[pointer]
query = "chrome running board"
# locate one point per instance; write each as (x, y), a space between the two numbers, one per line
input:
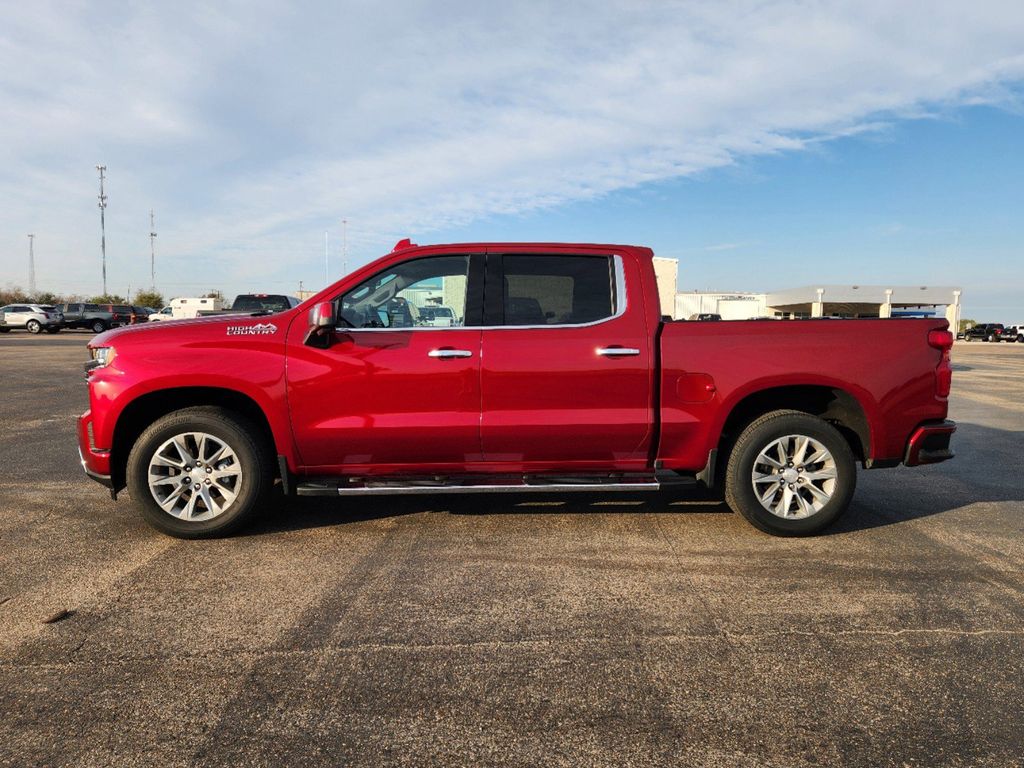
(381, 487)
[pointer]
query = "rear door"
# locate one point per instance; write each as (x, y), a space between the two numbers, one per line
(566, 375)
(18, 315)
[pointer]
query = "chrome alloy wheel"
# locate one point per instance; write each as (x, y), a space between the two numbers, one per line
(194, 476)
(794, 477)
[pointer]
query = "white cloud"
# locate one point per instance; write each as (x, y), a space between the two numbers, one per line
(252, 128)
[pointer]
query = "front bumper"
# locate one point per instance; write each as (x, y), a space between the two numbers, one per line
(95, 462)
(929, 444)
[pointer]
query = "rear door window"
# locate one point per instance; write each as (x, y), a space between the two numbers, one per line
(556, 290)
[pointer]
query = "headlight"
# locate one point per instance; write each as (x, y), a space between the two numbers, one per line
(101, 358)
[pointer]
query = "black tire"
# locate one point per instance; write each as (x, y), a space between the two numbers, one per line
(5, 330)
(98, 326)
(254, 457)
(739, 488)
(33, 326)
(53, 330)
(991, 338)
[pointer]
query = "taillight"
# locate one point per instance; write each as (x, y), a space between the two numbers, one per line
(942, 340)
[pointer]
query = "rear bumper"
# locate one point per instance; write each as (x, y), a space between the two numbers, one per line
(95, 462)
(929, 444)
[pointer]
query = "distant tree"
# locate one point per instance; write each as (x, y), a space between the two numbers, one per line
(46, 297)
(151, 299)
(215, 294)
(110, 298)
(12, 294)
(967, 323)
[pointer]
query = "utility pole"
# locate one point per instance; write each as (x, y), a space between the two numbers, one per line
(152, 252)
(103, 226)
(31, 267)
(344, 247)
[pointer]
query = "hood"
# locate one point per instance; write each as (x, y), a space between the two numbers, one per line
(201, 327)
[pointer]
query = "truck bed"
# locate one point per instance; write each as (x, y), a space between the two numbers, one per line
(709, 368)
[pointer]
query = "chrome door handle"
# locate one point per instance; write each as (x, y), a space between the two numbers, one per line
(444, 354)
(618, 351)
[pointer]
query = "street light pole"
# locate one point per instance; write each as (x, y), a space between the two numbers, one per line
(103, 226)
(344, 246)
(152, 252)
(31, 267)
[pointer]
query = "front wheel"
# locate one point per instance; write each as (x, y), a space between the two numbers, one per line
(33, 326)
(200, 472)
(790, 474)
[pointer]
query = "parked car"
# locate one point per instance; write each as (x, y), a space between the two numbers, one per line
(437, 316)
(140, 314)
(561, 376)
(984, 332)
(34, 318)
(1013, 333)
(705, 317)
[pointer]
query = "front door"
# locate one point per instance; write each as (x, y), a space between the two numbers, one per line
(398, 389)
(567, 371)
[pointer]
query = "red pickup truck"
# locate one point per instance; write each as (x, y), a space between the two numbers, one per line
(552, 370)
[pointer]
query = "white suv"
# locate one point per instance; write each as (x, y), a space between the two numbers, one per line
(34, 318)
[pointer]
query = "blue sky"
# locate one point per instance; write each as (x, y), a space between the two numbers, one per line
(764, 144)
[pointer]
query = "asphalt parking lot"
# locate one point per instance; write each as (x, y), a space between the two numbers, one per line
(647, 630)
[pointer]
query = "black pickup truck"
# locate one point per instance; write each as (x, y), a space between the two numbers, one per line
(984, 332)
(96, 317)
(255, 303)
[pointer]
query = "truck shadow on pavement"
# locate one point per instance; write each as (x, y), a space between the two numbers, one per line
(884, 497)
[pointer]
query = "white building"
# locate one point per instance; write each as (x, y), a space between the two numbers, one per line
(826, 301)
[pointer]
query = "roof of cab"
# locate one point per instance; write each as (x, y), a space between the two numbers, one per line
(406, 244)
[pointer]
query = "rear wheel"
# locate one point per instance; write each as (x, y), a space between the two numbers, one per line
(790, 474)
(992, 338)
(98, 326)
(200, 472)
(33, 326)
(53, 329)
(5, 330)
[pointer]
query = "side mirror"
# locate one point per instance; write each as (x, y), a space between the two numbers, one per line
(321, 323)
(322, 315)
